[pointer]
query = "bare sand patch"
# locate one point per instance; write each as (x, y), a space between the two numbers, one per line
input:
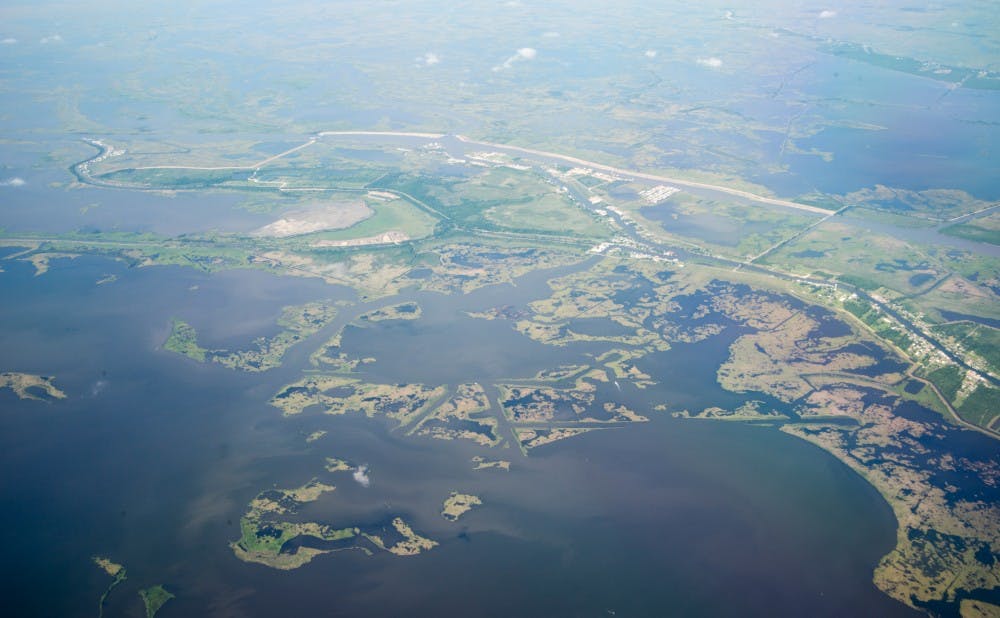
(317, 217)
(385, 238)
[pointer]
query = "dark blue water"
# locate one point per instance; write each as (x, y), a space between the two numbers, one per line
(955, 316)
(153, 458)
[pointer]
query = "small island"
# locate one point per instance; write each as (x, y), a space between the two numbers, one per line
(483, 464)
(29, 386)
(316, 435)
(337, 465)
(183, 340)
(410, 545)
(113, 569)
(264, 535)
(297, 323)
(401, 311)
(153, 598)
(458, 504)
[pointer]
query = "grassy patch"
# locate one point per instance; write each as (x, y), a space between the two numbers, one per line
(154, 597)
(862, 257)
(183, 339)
(974, 232)
(547, 213)
(168, 179)
(499, 199)
(982, 406)
(395, 215)
(948, 379)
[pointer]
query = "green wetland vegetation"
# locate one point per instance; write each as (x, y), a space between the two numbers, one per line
(154, 598)
(581, 320)
(637, 298)
(807, 367)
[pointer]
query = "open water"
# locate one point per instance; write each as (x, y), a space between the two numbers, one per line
(153, 458)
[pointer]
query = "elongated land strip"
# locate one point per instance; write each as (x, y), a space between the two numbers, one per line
(113, 569)
(30, 386)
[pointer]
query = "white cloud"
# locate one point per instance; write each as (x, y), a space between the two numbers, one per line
(712, 62)
(551, 34)
(98, 387)
(13, 182)
(9, 41)
(361, 476)
(729, 15)
(525, 53)
(428, 59)
(827, 14)
(650, 53)
(55, 38)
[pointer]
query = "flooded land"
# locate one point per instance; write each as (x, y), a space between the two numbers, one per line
(553, 323)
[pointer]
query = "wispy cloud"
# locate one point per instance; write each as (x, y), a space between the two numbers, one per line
(712, 62)
(361, 475)
(827, 14)
(551, 34)
(525, 53)
(9, 41)
(429, 59)
(650, 53)
(98, 387)
(55, 38)
(13, 182)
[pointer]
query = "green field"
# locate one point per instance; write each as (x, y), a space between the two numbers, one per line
(399, 215)
(974, 232)
(547, 213)
(500, 199)
(982, 406)
(861, 257)
(948, 379)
